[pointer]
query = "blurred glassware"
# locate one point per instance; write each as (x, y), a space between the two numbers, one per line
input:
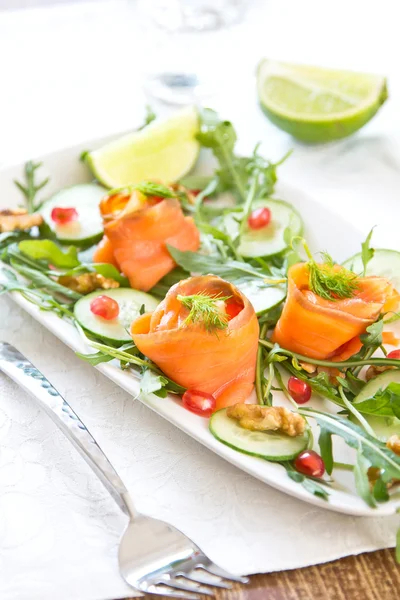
(183, 32)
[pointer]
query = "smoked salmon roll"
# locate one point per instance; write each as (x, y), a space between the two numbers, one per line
(328, 329)
(184, 344)
(137, 234)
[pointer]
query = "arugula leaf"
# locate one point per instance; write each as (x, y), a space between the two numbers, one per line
(380, 490)
(361, 478)
(94, 359)
(374, 335)
(325, 446)
(194, 262)
(41, 281)
(151, 383)
(11, 237)
(383, 403)
(50, 252)
(308, 483)
(372, 449)
(367, 253)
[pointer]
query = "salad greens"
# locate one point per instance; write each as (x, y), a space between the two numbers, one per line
(223, 202)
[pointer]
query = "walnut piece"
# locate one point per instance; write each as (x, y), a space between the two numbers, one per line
(373, 371)
(267, 418)
(18, 219)
(88, 282)
(393, 444)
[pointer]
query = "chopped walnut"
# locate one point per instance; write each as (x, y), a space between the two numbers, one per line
(393, 444)
(267, 418)
(88, 282)
(373, 371)
(18, 219)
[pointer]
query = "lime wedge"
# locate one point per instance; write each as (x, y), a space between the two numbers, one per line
(164, 151)
(315, 104)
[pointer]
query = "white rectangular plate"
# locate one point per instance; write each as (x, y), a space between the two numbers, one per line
(324, 231)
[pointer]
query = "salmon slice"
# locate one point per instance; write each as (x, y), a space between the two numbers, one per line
(220, 362)
(104, 253)
(139, 241)
(322, 329)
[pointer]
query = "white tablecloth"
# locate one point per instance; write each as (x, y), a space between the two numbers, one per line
(72, 73)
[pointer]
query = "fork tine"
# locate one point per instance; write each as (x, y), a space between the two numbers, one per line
(165, 590)
(201, 576)
(216, 570)
(189, 587)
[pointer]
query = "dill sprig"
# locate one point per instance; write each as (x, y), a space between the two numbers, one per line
(205, 309)
(328, 282)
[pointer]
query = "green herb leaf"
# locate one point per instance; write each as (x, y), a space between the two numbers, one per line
(108, 271)
(50, 252)
(41, 281)
(380, 491)
(325, 446)
(374, 335)
(151, 382)
(367, 253)
(30, 188)
(308, 483)
(328, 283)
(385, 403)
(149, 117)
(150, 188)
(206, 310)
(232, 270)
(361, 478)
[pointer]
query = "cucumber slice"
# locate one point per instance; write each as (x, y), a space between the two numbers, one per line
(269, 445)
(385, 263)
(116, 330)
(88, 228)
(262, 298)
(269, 240)
(384, 427)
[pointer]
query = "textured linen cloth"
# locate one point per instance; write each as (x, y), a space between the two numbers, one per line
(67, 80)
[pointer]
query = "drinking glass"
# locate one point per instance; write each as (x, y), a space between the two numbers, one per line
(186, 40)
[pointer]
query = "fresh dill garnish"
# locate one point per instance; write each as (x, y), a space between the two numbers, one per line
(205, 309)
(328, 281)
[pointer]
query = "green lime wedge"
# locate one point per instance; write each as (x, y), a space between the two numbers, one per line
(315, 104)
(164, 151)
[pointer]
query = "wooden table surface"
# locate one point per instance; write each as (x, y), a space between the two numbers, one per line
(372, 576)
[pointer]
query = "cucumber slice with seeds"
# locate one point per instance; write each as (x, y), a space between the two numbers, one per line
(269, 445)
(117, 330)
(270, 240)
(88, 228)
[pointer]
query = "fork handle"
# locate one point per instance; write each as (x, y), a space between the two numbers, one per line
(29, 378)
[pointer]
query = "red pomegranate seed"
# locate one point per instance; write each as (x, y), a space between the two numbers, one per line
(394, 354)
(259, 218)
(200, 403)
(105, 307)
(61, 215)
(309, 463)
(299, 390)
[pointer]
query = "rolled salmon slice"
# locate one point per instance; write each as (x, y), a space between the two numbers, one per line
(220, 362)
(139, 241)
(322, 329)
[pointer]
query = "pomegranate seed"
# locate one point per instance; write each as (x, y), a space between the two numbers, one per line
(62, 215)
(394, 354)
(259, 218)
(200, 403)
(195, 192)
(233, 308)
(105, 307)
(299, 390)
(309, 463)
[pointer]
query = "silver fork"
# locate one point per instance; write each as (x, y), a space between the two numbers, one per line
(154, 557)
